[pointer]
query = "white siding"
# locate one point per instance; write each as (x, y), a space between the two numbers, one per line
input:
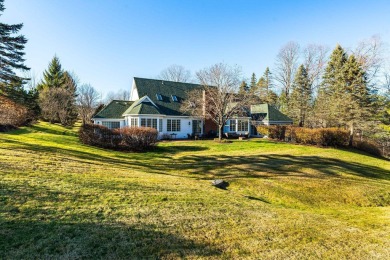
(134, 92)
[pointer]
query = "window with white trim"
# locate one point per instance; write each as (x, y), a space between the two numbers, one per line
(134, 122)
(232, 123)
(174, 98)
(242, 126)
(111, 125)
(173, 125)
(160, 125)
(149, 122)
(159, 97)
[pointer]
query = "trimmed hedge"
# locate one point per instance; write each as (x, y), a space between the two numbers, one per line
(133, 139)
(319, 136)
(138, 138)
(334, 137)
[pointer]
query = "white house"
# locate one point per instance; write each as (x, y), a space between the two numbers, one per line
(156, 103)
(153, 103)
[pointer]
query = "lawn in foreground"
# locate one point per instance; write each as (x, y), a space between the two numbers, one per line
(62, 199)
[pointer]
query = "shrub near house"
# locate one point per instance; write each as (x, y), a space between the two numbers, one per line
(334, 137)
(12, 114)
(127, 138)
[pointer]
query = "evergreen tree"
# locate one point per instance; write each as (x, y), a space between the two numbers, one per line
(11, 53)
(300, 99)
(262, 89)
(244, 88)
(267, 79)
(356, 109)
(329, 99)
(344, 99)
(264, 86)
(253, 80)
(253, 86)
(57, 94)
(12, 86)
(53, 77)
(70, 85)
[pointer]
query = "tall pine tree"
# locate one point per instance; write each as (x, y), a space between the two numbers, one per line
(244, 88)
(11, 53)
(264, 86)
(57, 94)
(253, 86)
(53, 77)
(300, 99)
(70, 85)
(357, 102)
(344, 99)
(328, 100)
(11, 85)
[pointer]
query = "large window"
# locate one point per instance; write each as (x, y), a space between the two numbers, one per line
(111, 125)
(242, 126)
(134, 122)
(173, 125)
(232, 125)
(160, 125)
(149, 122)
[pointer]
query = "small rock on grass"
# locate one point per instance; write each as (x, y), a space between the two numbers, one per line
(220, 184)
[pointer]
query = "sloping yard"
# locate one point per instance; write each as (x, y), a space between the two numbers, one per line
(62, 199)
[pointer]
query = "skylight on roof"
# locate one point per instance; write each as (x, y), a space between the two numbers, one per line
(174, 98)
(159, 97)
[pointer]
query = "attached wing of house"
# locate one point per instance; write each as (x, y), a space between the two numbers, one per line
(153, 103)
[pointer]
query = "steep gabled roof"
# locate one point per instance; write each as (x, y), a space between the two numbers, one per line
(142, 106)
(114, 109)
(270, 113)
(167, 89)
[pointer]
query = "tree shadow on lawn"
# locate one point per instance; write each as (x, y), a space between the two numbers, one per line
(218, 166)
(42, 230)
(265, 166)
(37, 128)
(155, 152)
(22, 239)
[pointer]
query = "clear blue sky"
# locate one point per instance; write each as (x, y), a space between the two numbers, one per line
(107, 42)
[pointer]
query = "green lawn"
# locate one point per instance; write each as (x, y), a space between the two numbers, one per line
(62, 199)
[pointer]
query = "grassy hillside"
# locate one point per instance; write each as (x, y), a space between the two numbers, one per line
(62, 199)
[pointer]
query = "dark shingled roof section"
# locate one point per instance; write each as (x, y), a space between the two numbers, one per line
(272, 114)
(151, 87)
(114, 109)
(142, 108)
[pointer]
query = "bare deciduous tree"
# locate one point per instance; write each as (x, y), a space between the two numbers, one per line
(315, 61)
(54, 105)
(119, 95)
(217, 100)
(286, 66)
(87, 101)
(369, 54)
(175, 73)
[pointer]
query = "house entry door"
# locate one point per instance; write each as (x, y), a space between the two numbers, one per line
(196, 127)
